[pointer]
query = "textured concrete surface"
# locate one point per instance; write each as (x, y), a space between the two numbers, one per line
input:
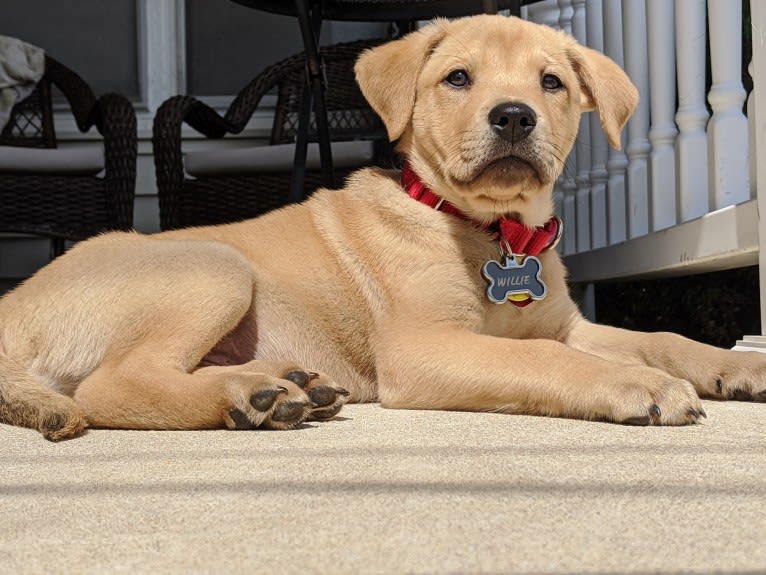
(381, 491)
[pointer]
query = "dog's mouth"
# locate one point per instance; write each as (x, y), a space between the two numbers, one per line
(510, 169)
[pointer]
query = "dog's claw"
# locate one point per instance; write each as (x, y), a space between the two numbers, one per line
(328, 412)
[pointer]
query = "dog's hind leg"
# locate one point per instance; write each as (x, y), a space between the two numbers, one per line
(27, 403)
(194, 296)
(145, 394)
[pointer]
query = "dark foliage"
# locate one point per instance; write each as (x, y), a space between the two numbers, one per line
(716, 308)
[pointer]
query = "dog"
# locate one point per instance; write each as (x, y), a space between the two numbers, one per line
(435, 288)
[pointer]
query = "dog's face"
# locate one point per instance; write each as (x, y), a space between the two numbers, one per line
(487, 108)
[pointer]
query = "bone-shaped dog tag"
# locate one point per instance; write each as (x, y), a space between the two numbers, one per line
(513, 278)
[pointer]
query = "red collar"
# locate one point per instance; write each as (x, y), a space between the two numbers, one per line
(514, 236)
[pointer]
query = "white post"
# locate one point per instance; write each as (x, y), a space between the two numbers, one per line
(758, 19)
(568, 184)
(727, 129)
(547, 13)
(636, 56)
(662, 72)
(751, 124)
(162, 50)
(692, 115)
(583, 144)
(617, 161)
(599, 149)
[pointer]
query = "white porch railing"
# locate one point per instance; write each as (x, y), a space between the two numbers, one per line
(682, 195)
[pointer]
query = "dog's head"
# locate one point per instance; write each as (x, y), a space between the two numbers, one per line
(487, 108)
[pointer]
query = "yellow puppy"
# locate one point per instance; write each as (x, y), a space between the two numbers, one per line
(435, 289)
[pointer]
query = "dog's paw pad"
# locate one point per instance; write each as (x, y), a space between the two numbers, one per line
(651, 418)
(740, 395)
(327, 401)
(301, 378)
(258, 400)
(238, 420)
(323, 395)
(289, 412)
(326, 397)
(263, 400)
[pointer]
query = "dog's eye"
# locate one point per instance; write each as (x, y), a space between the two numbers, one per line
(552, 83)
(458, 78)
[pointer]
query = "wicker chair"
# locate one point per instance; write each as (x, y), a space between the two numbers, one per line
(67, 194)
(254, 182)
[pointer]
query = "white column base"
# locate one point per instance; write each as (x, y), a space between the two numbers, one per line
(751, 343)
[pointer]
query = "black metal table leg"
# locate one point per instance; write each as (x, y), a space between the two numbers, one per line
(309, 18)
(298, 175)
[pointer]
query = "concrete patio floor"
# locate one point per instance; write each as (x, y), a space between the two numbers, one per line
(382, 491)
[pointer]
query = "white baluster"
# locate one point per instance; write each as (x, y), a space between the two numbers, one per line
(617, 161)
(692, 115)
(758, 21)
(547, 13)
(599, 149)
(636, 56)
(566, 13)
(568, 183)
(662, 135)
(727, 129)
(751, 135)
(582, 178)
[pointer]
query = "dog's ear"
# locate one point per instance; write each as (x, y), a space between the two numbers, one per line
(606, 88)
(388, 74)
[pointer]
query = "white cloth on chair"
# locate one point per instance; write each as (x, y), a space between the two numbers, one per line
(21, 67)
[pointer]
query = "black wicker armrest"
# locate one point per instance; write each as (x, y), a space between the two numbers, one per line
(77, 92)
(115, 119)
(174, 112)
(166, 142)
(244, 105)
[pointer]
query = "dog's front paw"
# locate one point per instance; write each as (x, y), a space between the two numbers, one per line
(648, 396)
(327, 398)
(736, 375)
(262, 401)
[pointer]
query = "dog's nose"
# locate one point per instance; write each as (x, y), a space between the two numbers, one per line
(512, 121)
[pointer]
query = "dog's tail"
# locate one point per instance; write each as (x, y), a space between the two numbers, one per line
(26, 402)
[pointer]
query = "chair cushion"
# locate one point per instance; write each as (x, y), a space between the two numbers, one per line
(265, 159)
(74, 161)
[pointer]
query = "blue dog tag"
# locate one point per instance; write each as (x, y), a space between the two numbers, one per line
(514, 279)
